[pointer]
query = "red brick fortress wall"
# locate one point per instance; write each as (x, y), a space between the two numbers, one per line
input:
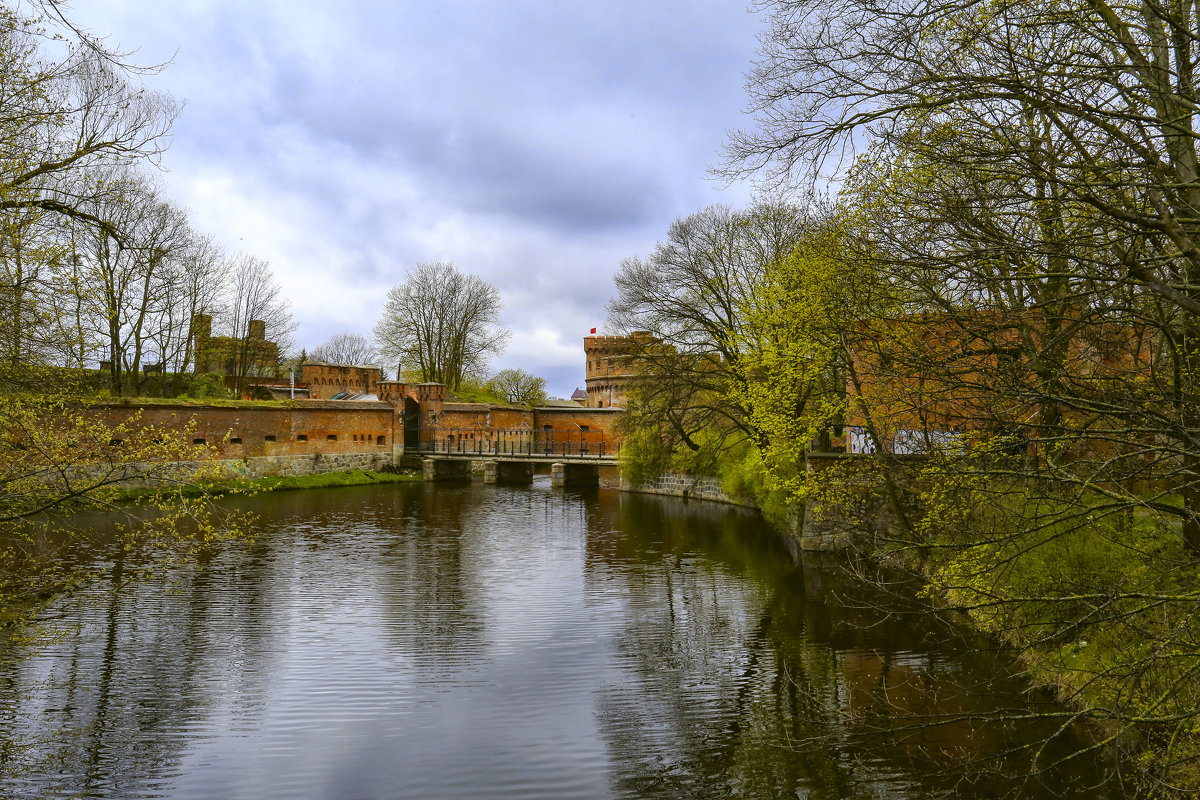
(326, 380)
(248, 431)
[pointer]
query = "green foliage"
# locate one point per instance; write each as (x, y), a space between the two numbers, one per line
(205, 385)
(644, 455)
(518, 386)
(744, 476)
(276, 483)
(60, 456)
(471, 391)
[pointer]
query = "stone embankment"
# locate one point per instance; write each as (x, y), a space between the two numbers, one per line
(689, 487)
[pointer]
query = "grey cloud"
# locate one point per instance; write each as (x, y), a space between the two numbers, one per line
(569, 134)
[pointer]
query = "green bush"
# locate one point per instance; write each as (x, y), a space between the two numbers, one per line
(643, 456)
(204, 385)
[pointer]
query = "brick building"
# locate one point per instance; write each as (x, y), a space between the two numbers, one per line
(350, 413)
(233, 356)
(929, 377)
(327, 381)
(612, 367)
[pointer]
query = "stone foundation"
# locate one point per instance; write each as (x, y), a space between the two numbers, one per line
(678, 484)
(318, 463)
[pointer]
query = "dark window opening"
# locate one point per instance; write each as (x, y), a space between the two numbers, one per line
(380, 440)
(115, 442)
(269, 438)
(331, 437)
(302, 438)
(198, 441)
(235, 440)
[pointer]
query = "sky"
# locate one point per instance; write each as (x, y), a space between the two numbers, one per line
(535, 144)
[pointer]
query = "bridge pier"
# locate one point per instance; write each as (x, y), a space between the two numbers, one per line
(508, 472)
(444, 469)
(563, 474)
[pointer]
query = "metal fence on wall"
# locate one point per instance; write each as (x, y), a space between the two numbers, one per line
(515, 442)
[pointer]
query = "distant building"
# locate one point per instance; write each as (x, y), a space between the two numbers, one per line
(611, 367)
(340, 381)
(579, 396)
(232, 356)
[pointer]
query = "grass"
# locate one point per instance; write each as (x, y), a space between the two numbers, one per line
(281, 483)
(221, 402)
(477, 394)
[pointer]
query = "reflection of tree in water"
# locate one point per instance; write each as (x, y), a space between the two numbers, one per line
(425, 587)
(738, 684)
(102, 708)
(114, 704)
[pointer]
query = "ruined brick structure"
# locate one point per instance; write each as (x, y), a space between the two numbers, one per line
(228, 355)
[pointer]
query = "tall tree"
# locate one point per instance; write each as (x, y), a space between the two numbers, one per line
(129, 261)
(1030, 190)
(255, 297)
(346, 348)
(441, 324)
(518, 386)
(691, 295)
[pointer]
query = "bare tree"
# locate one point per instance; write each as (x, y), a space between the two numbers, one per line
(441, 324)
(199, 276)
(518, 386)
(29, 251)
(70, 114)
(129, 268)
(63, 117)
(346, 348)
(255, 297)
(692, 295)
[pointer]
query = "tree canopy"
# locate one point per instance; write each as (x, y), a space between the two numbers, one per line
(441, 324)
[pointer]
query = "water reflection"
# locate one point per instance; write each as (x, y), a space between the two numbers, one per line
(475, 641)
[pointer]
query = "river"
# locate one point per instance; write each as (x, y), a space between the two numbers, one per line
(471, 641)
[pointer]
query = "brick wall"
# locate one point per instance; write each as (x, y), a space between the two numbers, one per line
(250, 431)
(325, 428)
(326, 380)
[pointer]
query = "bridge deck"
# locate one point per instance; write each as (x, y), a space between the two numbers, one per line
(533, 458)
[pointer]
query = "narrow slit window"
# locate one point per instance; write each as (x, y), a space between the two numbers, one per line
(269, 438)
(302, 437)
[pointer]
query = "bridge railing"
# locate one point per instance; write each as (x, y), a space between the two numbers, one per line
(513, 442)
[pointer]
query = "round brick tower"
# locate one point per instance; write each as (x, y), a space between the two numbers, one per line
(611, 368)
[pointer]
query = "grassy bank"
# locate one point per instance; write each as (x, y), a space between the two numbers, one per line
(282, 483)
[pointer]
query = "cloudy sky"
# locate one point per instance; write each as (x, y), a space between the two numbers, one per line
(533, 142)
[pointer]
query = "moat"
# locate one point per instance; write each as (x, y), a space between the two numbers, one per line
(471, 641)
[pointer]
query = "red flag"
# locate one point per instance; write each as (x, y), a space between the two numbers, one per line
(593, 330)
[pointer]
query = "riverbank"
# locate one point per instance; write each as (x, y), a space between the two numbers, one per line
(283, 483)
(1098, 611)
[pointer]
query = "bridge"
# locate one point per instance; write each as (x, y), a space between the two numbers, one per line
(509, 456)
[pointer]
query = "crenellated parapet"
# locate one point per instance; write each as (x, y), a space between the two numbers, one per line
(612, 366)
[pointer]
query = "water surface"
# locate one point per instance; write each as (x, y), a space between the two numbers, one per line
(416, 641)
